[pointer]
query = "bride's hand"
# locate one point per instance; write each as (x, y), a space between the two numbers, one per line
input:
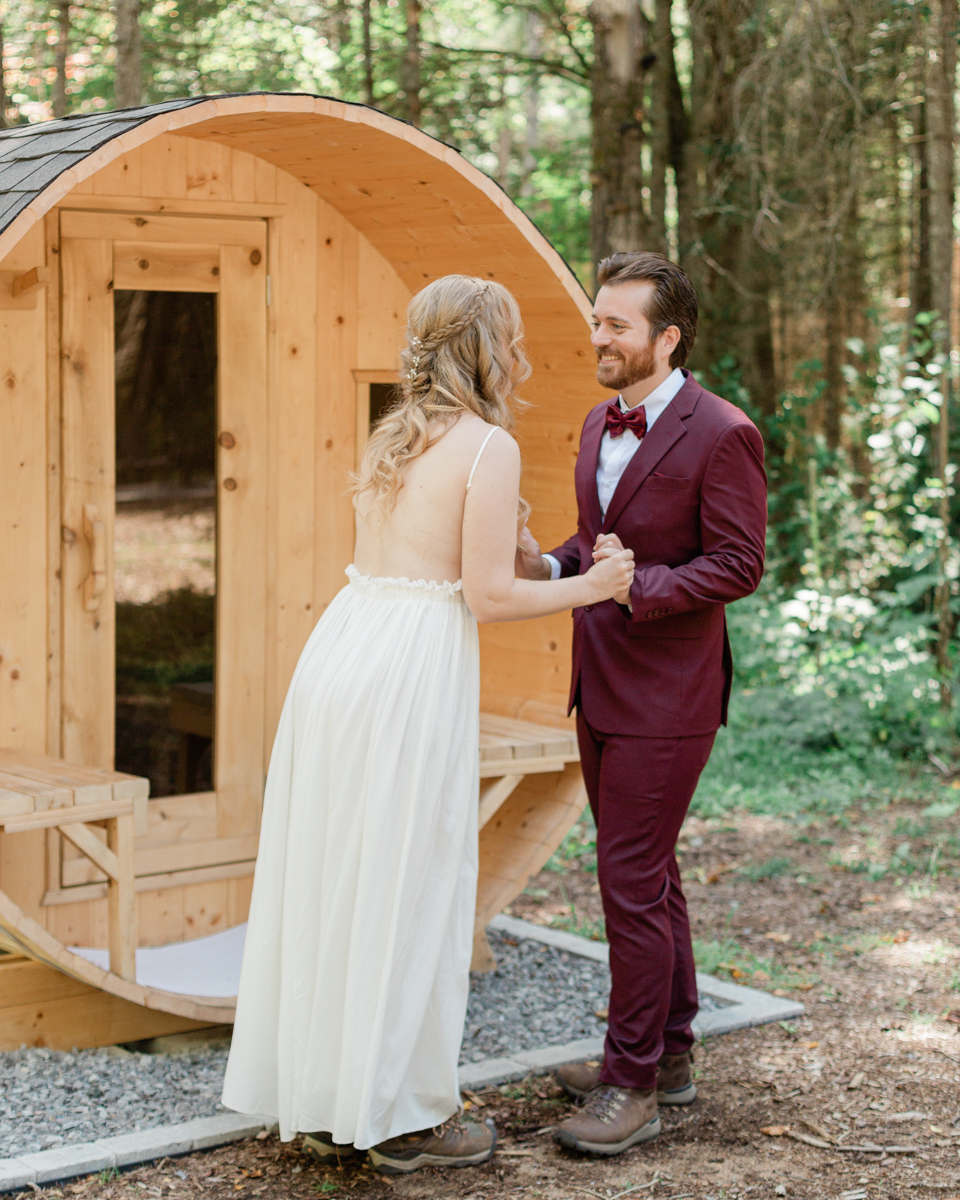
(528, 563)
(612, 575)
(605, 545)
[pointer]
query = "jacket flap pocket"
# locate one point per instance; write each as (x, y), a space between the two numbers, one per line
(683, 625)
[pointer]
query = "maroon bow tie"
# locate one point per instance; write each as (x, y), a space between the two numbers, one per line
(635, 420)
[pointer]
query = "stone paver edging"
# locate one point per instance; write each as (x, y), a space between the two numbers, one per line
(127, 1149)
(742, 1007)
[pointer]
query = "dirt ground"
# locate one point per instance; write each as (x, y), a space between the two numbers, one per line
(876, 1060)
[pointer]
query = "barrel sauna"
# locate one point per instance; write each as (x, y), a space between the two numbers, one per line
(293, 229)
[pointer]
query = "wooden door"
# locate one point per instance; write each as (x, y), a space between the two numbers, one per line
(100, 251)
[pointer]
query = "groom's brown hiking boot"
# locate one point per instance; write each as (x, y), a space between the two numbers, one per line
(323, 1149)
(674, 1081)
(611, 1120)
(455, 1143)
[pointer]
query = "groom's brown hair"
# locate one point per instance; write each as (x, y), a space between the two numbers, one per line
(674, 300)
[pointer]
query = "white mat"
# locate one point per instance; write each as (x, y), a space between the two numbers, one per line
(207, 966)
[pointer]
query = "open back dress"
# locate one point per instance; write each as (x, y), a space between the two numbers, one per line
(355, 973)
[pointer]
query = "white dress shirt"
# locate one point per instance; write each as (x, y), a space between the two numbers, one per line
(616, 453)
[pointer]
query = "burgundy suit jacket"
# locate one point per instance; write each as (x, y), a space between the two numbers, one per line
(692, 506)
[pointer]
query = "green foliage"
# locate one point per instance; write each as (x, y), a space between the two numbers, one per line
(728, 958)
(166, 642)
(773, 868)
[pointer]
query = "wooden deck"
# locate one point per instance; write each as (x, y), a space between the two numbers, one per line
(531, 792)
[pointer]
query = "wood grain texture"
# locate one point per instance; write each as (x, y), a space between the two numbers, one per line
(337, 268)
(88, 478)
(166, 267)
(293, 538)
(241, 540)
(40, 1006)
(23, 530)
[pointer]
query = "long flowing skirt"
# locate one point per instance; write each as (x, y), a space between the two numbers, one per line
(355, 972)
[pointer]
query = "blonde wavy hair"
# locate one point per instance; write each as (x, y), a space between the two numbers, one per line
(464, 353)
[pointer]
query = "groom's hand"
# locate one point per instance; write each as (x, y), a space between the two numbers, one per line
(606, 545)
(529, 562)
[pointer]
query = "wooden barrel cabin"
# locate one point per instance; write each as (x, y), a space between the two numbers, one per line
(201, 305)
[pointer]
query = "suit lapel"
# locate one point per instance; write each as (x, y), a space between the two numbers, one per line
(668, 429)
(588, 498)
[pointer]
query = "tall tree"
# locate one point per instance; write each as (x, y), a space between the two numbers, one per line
(411, 71)
(366, 20)
(621, 60)
(128, 85)
(940, 71)
(3, 77)
(61, 54)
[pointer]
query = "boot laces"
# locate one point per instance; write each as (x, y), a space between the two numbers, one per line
(454, 1124)
(604, 1103)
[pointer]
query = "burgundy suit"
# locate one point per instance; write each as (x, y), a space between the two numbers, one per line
(651, 689)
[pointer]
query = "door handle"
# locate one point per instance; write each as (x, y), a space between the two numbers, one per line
(95, 583)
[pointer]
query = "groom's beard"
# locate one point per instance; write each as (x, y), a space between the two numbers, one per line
(629, 370)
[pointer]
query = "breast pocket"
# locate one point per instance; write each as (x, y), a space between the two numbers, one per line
(666, 483)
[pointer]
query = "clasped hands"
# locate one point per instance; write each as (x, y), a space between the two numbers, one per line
(530, 563)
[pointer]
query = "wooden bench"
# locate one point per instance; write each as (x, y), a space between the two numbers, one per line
(47, 793)
(510, 750)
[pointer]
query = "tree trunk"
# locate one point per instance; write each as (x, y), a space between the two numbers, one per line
(3, 79)
(60, 61)
(411, 78)
(662, 48)
(921, 298)
(128, 85)
(940, 68)
(618, 220)
(366, 18)
(531, 140)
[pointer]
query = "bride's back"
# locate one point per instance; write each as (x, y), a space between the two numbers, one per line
(460, 366)
(420, 536)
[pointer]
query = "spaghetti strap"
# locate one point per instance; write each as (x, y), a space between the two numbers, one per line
(479, 452)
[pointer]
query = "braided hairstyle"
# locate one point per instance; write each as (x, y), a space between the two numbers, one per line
(463, 353)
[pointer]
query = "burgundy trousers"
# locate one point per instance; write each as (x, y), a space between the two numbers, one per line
(639, 790)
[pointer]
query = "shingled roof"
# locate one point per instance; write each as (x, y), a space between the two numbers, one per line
(33, 156)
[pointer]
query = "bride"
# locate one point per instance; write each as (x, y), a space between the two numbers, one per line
(355, 973)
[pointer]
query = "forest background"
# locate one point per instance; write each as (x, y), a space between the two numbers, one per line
(797, 158)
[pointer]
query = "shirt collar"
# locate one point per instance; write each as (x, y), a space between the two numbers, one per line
(661, 395)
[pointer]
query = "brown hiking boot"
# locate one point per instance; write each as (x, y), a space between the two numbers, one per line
(577, 1079)
(611, 1120)
(323, 1149)
(455, 1143)
(674, 1081)
(674, 1084)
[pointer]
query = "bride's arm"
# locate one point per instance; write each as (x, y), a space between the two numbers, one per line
(490, 586)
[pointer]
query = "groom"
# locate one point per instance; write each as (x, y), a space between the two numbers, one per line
(676, 474)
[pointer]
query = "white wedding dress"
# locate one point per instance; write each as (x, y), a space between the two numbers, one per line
(353, 989)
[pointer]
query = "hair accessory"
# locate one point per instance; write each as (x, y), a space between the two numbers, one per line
(416, 346)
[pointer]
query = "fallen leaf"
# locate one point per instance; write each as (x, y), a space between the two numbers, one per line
(802, 987)
(775, 1130)
(901, 936)
(777, 937)
(953, 1016)
(908, 1116)
(810, 1045)
(602, 1013)
(871, 898)
(780, 992)
(761, 977)
(856, 1081)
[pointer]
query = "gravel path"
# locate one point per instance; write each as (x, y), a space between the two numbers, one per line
(538, 996)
